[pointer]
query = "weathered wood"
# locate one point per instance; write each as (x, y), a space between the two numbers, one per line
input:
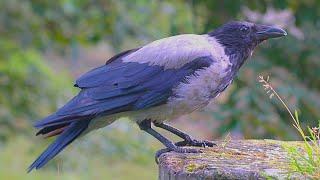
(236, 159)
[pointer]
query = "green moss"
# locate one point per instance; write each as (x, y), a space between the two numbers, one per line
(191, 167)
(195, 167)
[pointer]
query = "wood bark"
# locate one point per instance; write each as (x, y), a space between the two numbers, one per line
(236, 159)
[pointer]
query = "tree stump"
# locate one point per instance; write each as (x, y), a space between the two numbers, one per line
(236, 159)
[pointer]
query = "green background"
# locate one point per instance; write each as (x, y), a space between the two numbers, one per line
(45, 45)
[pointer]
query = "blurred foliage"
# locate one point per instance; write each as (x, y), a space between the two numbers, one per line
(31, 88)
(46, 23)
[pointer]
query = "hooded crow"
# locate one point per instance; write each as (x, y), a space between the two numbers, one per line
(162, 80)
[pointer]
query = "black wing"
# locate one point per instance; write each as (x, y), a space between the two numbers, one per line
(122, 86)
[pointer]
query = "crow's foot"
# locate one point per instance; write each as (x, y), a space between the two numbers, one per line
(189, 142)
(176, 149)
(201, 143)
(196, 143)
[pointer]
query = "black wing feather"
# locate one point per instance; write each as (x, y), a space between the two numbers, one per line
(113, 68)
(120, 87)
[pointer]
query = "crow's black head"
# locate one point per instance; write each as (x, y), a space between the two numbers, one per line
(239, 38)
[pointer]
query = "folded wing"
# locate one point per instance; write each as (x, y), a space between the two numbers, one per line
(122, 85)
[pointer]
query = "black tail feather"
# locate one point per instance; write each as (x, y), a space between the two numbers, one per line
(51, 128)
(67, 136)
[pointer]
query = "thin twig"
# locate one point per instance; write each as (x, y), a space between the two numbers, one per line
(268, 86)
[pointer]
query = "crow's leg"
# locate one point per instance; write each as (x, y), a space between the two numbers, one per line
(188, 140)
(146, 126)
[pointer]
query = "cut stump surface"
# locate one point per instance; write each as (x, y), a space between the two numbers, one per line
(236, 159)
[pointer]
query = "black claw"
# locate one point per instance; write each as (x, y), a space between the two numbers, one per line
(186, 150)
(159, 153)
(197, 143)
(203, 143)
(176, 149)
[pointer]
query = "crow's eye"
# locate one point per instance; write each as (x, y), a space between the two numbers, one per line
(244, 30)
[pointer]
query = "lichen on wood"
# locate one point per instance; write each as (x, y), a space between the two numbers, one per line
(236, 159)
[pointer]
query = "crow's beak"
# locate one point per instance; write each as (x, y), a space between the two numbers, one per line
(267, 32)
